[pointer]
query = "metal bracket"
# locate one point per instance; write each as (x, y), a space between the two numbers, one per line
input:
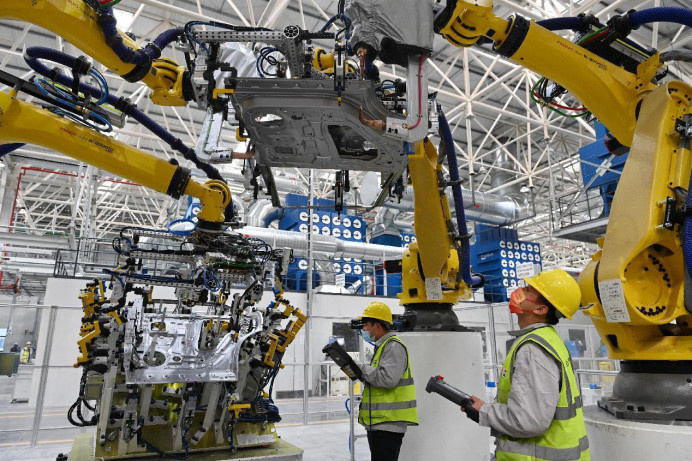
(684, 127)
(674, 215)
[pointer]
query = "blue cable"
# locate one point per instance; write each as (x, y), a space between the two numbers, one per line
(86, 121)
(190, 37)
(69, 101)
(39, 82)
(33, 57)
(114, 274)
(104, 86)
(344, 18)
(349, 412)
(214, 280)
(182, 232)
(261, 56)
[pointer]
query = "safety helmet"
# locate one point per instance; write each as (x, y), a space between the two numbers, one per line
(559, 289)
(378, 311)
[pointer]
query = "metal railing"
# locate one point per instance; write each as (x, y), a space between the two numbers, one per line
(583, 206)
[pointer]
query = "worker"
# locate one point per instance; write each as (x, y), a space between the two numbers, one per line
(538, 414)
(25, 356)
(389, 395)
(15, 348)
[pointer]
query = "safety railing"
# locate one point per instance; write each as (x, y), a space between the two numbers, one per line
(582, 206)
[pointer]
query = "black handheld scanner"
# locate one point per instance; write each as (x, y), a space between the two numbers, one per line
(339, 355)
(437, 385)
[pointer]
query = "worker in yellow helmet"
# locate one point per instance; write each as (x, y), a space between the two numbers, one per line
(538, 413)
(389, 396)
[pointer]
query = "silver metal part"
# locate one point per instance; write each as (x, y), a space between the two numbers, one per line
(291, 49)
(169, 349)
(300, 123)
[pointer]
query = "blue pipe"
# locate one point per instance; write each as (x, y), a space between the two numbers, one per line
(166, 38)
(139, 57)
(8, 148)
(661, 14)
(687, 234)
(570, 23)
(33, 55)
(344, 18)
(464, 253)
(636, 18)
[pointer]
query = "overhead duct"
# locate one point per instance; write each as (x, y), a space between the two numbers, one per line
(505, 169)
(325, 244)
(384, 222)
(482, 207)
(262, 213)
(283, 184)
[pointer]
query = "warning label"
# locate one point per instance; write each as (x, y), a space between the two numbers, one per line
(433, 288)
(613, 300)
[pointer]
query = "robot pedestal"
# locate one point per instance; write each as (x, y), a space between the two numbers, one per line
(619, 440)
(444, 431)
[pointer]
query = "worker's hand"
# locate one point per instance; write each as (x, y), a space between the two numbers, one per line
(477, 403)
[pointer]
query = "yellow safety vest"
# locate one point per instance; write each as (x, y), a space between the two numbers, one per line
(565, 439)
(26, 354)
(386, 405)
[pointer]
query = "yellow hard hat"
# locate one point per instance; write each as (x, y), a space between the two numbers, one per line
(559, 288)
(378, 311)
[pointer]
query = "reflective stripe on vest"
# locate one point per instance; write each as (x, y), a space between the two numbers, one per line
(388, 406)
(396, 404)
(537, 451)
(561, 413)
(566, 437)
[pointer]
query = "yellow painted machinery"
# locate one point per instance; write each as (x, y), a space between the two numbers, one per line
(189, 374)
(78, 22)
(635, 288)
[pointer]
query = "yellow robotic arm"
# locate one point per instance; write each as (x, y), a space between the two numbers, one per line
(76, 22)
(18, 124)
(430, 266)
(610, 92)
(634, 289)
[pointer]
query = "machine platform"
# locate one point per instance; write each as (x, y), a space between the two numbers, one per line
(84, 445)
(618, 439)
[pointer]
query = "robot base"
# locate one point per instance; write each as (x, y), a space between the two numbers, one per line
(651, 390)
(444, 431)
(616, 439)
(84, 446)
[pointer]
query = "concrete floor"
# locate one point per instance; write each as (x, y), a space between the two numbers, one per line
(324, 439)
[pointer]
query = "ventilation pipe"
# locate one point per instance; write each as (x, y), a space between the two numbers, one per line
(325, 244)
(505, 170)
(385, 222)
(482, 207)
(262, 213)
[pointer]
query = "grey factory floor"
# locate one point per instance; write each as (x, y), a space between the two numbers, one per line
(320, 442)
(325, 438)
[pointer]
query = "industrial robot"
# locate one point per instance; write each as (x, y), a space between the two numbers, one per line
(335, 113)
